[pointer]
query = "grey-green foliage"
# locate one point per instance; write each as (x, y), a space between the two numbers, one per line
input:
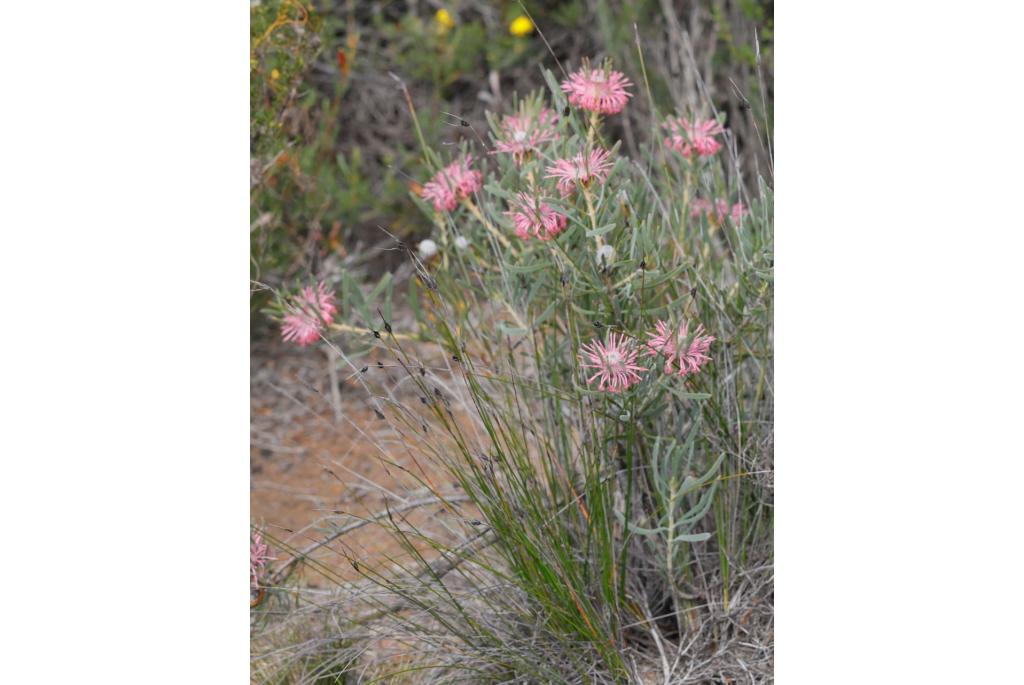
(682, 498)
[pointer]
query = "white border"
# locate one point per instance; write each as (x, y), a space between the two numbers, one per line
(898, 379)
(125, 429)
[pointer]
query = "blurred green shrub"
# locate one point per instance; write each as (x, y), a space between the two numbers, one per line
(283, 40)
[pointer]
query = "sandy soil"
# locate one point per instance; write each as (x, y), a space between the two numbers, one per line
(314, 457)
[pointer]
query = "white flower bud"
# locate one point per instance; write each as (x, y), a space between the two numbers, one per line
(461, 242)
(427, 248)
(605, 255)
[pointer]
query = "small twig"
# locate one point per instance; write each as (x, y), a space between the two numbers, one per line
(475, 211)
(332, 377)
(345, 328)
(543, 38)
(661, 649)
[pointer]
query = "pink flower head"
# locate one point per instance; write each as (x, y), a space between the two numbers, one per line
(583, 168)
(259, 555)
(308, 313)
(522, 134)
(697, 136)
(682, 354)
(453, 183)
(700, 205)
(718, 210)
(598, 90)
(737, 212)
(532, 216)
(614, 363)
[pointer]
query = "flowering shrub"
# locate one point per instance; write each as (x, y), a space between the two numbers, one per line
(612, 238)
(607, 393)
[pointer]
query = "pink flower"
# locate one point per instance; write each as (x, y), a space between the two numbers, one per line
(699, 206)
(532, 216)
(453, 183)
(718, 210)
(259, 555)
(683, 355)
(696, 136)
(722, 209)
(308, 314)
(614, 362)
(583, 168)
(525, 133)
(598, 90)
(301, 327)
(322, 299)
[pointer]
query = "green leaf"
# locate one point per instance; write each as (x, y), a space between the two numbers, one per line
(602, 230)
(687, 395)
(355, 295)
(557, 95)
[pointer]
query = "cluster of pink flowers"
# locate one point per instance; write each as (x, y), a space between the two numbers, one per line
(614, 362)
(697, 136)
(525, 133)
(598, 90)
(259, 555)
(532, 216)
(717, 210)
(453, 183)
(310, 312)
(580, 169)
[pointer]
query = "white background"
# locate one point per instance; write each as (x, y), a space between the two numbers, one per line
(124, 228)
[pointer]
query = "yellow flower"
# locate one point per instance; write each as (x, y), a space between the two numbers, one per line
(444, 19)
(274, 74)
(520, 26)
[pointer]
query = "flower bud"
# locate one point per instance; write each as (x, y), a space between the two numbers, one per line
(427, 249)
